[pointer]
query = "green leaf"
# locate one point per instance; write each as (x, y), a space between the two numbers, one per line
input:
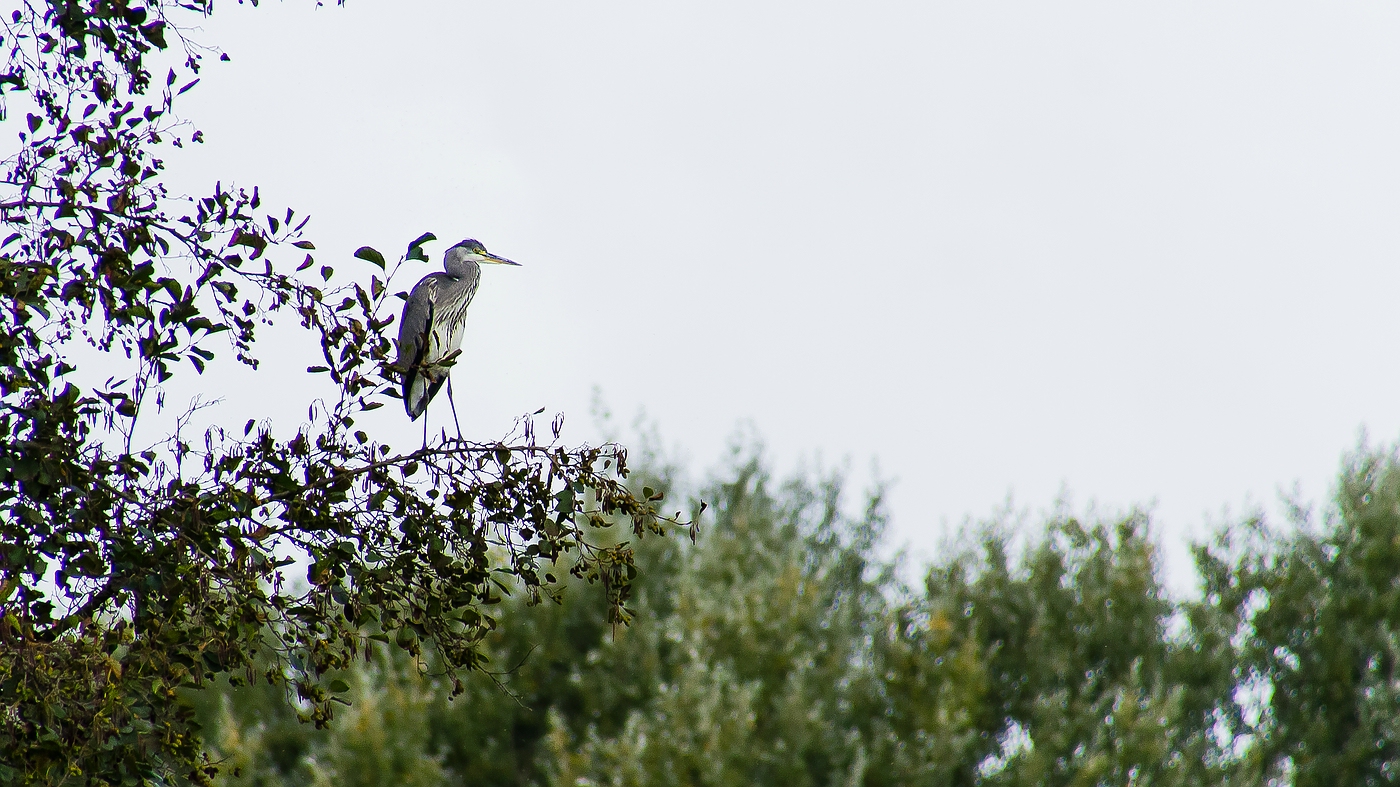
(155, 33)
(249, 239)
(338, 686)
(370, 255)
(415, 252)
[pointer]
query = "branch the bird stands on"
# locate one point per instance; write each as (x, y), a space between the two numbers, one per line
(132, 567)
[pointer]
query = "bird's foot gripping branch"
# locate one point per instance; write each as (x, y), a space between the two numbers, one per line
(140, 556)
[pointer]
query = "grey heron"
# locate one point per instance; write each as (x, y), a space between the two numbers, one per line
(430, 331)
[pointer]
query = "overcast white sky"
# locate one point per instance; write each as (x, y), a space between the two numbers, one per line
(1145, 253)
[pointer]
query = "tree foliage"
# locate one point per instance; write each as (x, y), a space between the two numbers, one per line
(1318, 613)
(137, 562)
(780, 648)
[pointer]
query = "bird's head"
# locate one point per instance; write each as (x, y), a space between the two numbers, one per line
(469, 251)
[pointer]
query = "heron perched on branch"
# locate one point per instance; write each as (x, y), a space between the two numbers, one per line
(430, 331)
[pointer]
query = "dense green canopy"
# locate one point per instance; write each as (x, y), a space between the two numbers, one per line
(781, 649)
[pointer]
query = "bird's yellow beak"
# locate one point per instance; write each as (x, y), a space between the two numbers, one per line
(495, 260)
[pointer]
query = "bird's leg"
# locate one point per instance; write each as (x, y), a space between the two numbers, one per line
(425, 429)
(453, 401)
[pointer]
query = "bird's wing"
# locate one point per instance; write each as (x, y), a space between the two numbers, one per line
(413, 324)
(420, 385)
(415, 343)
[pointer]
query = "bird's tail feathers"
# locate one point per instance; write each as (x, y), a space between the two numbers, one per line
(418, 390)
(415, 395)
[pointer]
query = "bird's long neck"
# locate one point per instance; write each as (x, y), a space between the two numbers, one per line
(462, 269)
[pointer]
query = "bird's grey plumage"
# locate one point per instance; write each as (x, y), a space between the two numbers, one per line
(433, 322)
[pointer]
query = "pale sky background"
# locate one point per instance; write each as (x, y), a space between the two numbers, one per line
(1145, 253)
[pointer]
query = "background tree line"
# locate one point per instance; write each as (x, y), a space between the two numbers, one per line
(781, 649)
